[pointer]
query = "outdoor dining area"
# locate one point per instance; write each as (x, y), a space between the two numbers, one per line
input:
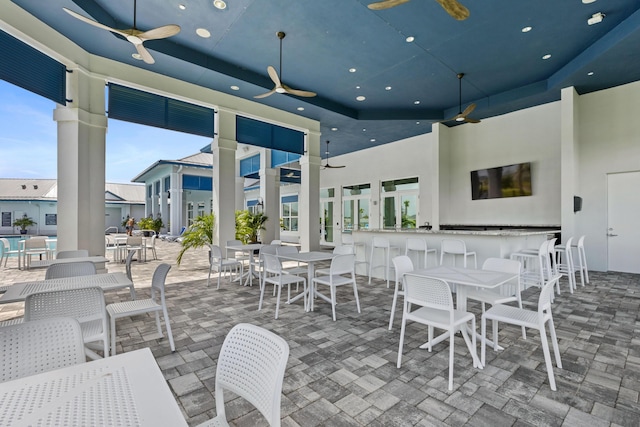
(335, 348)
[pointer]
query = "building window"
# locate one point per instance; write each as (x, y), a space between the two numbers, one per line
(355, 206)
(290, 216)
(201, 211)
(400, 203)
(189, 213)
(51, 219)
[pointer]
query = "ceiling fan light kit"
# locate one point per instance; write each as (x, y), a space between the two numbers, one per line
(327, 165)
(462, 116)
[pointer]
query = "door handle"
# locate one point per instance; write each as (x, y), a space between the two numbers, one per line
(611, 235)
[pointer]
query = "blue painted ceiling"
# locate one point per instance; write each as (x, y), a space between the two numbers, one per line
(503, 66)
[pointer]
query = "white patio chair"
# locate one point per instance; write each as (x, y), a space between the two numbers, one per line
(80, 253)
(581, 266)
(456, 247)
(433, 297)
(415, 244)
(297, 269)
(341, 266)
(338, 250)
(509, 292)
(534, 319)
(134, 243)
(535, 265)
(251, 365)
(402, 264)
(274, 274)
(86, 305)
(5, 247)
(566, 266)
(239, 255)
(70, 269)
(259, 262)
(222, 264)
(39, 346)
(35, 246)
(155, 304)
(150, 245)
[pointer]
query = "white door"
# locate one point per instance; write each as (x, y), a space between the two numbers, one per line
(623, 233)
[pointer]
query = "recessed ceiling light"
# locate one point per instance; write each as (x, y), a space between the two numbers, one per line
(334, 129)
(387, 88)
(372, 140)
(234, 87)
(527, 29)
(590, 73)
(410, 39)
(547, 56)
(357, 87)
(352, 70)
(588, 1)
(360, 98)
(417, 123)
(220, 4)
(182, 7)
(136, 56)
(364, 130)
(300, 108)
(416, 102)
(205, 34)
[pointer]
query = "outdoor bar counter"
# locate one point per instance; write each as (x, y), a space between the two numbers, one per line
(486, 243)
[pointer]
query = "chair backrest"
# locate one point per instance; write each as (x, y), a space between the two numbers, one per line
(453, 246)
(70, 269)
(267, 249)
(506, 266)
(32, 347)
(216, 253)
(31, 244)
(380, 242)
(402, 264)
(82, 304)
(428, 292)
(283, 250)
(5, 244)
(233, 243)
(342, 264)
(127, 264)
(344, 250)
(415, 244)
(251, 364)
(276, 242)
(347, 239)
(544, 301)
(580, 243)
(152, 243)
(80, 253)
(272, 263)
(158, 279)
(134, 241)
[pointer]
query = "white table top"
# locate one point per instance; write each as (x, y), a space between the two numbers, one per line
(467, 276)
(127, 390)
(47, 262)
(248, 247)
(109, 281)
(308, 256)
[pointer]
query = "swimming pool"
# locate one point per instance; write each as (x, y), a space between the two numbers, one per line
(14, 239)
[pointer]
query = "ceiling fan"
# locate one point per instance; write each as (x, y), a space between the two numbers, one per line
(452, 7)
(281, 87)
(462, 115)
(133, 35)
(328, 166)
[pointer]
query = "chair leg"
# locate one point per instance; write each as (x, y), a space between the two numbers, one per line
(168, 325)
(547, 357)
(262, 286)
(333, 301)
(483, 338)
(113, 336)
(355, 293)
(371, 263)
(158, 322)
(554, 341)
(402, 327)
(278, 298)
(451, 353)
(393, 306)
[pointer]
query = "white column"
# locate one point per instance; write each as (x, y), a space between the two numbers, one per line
(164, 206)
(309, 199)
(175, 193)
(224, 147)
(82, 126)
(270, 193)
(568, 159)
(239, 193)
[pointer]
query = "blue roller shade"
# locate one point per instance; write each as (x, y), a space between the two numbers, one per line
(194, 182)
(250, 165)
(146, 108)
(290, 199)
(255, 132)
(24, 66)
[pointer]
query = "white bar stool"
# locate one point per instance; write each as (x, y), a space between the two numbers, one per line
(582, 259)
(415, 244)
(347, 240)
(456, 247)
(383, 244)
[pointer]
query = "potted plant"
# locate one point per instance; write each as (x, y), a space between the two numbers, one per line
(249, 225)
(23, 223)
(197, 235)
(150, 224)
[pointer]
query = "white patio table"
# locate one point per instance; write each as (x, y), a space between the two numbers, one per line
(248, 249)
(310, 258)
(47, 262)
(125, 390)
(109, 281)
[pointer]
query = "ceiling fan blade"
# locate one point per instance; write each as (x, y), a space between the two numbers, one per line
(328, 166)
(144, 53)
(160, 32)
(455, 9)
(264, 95)
(274, 75)
(386, 4)
(94, 23)
(297, 92)
(467, 110)
(470, 120)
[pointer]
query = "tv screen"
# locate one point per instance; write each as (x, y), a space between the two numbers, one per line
(503, 181)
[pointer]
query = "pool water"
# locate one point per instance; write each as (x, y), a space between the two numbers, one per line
(13, 242)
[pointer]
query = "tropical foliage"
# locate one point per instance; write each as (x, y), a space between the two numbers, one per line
(24, 222)
(197, 235)
(249, 225)
(150, 223)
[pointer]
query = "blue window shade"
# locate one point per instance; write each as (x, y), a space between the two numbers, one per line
(167, 183)
(279, 158)
(149, 191)
(290, 199)
(194, 182)
(252, 202)
(250, 165)
(24, 66)
(254, 132)
(149, 109)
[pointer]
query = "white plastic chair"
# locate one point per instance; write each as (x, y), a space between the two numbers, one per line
(433, 297)
(534, 319)
(134, 243)
(456, 247)
(338, 250)
(70, 269)
(259, 263)
(222, 264)
(86, 305)
(251, 365)
(43, 345)
(402, 264)
(535, 265)
(566, 266)
(155, 304)
(341, 265)
(298, 269)
(581, 256)
(509, 292)
(5, 247)
(274, 274)
(415, 244)
(80, 253)
(381, 243)
(34, 246)
(239, 255)
(150, 245)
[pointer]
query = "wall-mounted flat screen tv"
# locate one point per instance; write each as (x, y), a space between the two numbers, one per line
(503, 181)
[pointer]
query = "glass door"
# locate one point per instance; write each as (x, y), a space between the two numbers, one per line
(355, 207)
(400, 203)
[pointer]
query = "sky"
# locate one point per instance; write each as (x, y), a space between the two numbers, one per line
(28, 140)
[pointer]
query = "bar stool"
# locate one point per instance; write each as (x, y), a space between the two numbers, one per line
(383, 244)
(582, 259)
(347, 240)
(456, 247)
(535, 264)
(415, 244)
(565, 263)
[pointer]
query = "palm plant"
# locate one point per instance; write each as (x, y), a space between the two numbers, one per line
(248, 225)
(199, 234)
